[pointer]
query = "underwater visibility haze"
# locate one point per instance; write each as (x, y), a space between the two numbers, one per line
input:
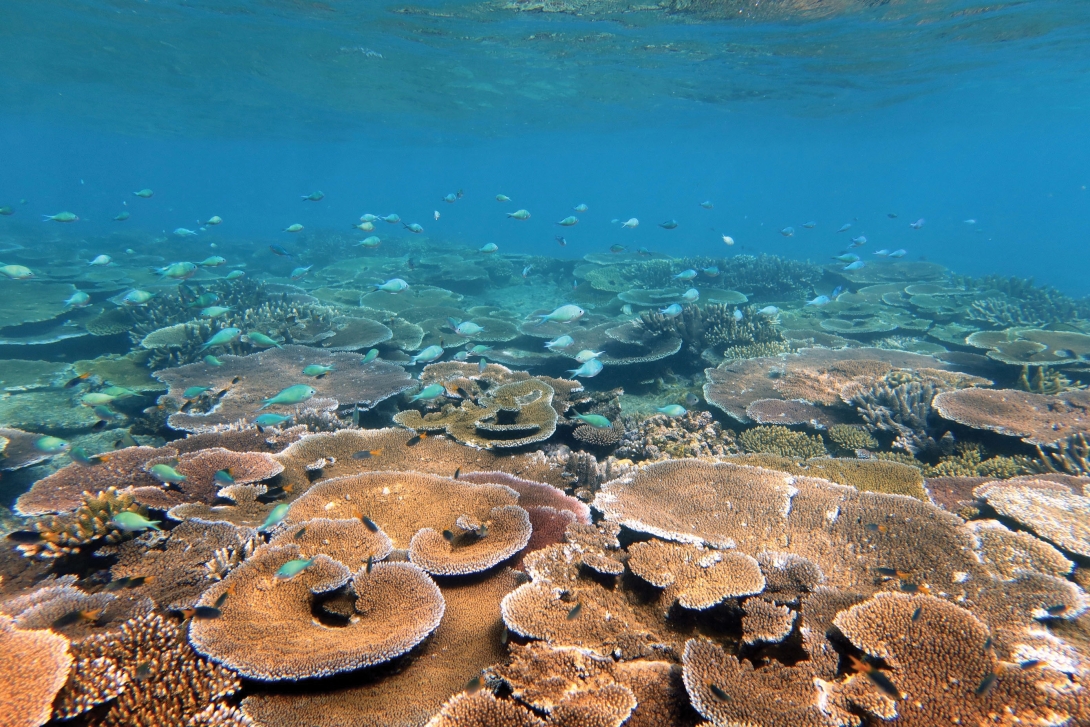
(544, 362)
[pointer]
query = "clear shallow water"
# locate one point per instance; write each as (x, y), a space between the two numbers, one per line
(967, 119)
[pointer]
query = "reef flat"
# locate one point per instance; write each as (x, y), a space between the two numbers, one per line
(417, 484)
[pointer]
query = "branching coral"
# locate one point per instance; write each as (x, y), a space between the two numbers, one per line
(714, 325)
(694, 434)
(91, 522)
(903, 410)
(149, 671)
(851, 437)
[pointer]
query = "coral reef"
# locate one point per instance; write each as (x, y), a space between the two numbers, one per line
(148, 674)
(91, 522)
(781, 441)
(714, 326)
(1036, 418)
(238, 387)
(33, 667)
(694, 434)
(396, 606)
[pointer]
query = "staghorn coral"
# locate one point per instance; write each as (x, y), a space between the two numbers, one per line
(1044, 380)
(904, 410)
(851, 437)
(33, 667)
(158, 680)
(694, 434)
(510, 415)
(1072, 456)
(469, 638)
(714, 326)
(1049, 509)
(241, 383)
(781, 441)
(397, 605)
(1036, 418)
(472, 545)
(695, 578)
(64, 490)
(91, 522)
(938, 656)
(710, 672)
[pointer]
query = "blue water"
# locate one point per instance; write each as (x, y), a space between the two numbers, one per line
(942, 111)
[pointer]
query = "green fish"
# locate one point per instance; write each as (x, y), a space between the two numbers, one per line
(235, 274)
(204, 300)
(195, 391)
(276, 516)
(178, 271)
(223, 478)
(213, 261)
(6, 210)
(260, 339)
(293, 568)
(673, 410)
(371, 356)
(104, 412)
(80, 455)
(96, 398)
(317, 370)
(429, 392)
(479, 349)
(61, 217)
(122, 217)
(137, 297)
(314, 196)
(51, 445)
(166, 473)
(212, 360)
(214, 311)
(294, 228)
(118, 392)
(291, 395)
(271, 420)
(131, 522)
(595, 420)
(223, 337)
(144, 193)
(16, 272)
